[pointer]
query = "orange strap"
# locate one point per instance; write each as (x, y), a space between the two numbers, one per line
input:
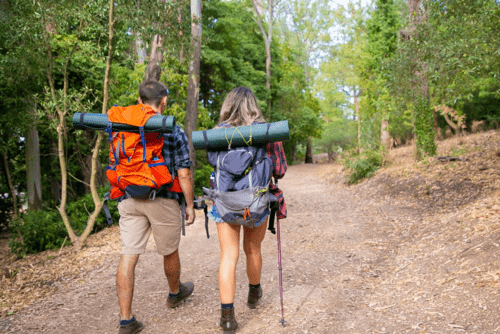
(246, 213)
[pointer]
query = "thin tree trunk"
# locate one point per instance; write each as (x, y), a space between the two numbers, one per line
(181, 52)
(141, 51)
(95, 155)
(61, 127)
(33, 174)
(356, 104)
(294, 152)
(385, 137)
(309, 155)
(9, 181)
(153, 70)
(268, 37)
(194, 78)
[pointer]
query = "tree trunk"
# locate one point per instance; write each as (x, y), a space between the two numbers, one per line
(95, 154)
(356, 104)
(141, 51)
(455, 127)
(194, 78)
(385, 137)
(423, 116)
(268, 37)
(61, 127)
(293, 153)
(13, 192)
(309, 154)
(179, 19)
(153, 70)
(33, 174)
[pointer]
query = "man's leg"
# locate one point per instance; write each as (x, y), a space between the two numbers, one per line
(125, 284)
(172, 267)
(165, 217)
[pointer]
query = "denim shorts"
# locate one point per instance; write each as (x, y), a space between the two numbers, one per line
(214, 215)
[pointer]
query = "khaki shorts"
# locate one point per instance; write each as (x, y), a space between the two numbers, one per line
(139, 217)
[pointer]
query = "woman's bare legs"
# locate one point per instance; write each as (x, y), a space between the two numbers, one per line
(229, 241)
(252, 240)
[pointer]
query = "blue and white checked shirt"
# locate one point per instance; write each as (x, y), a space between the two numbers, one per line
(176, 155)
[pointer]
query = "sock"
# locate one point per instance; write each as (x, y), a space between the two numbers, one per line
(254, 286)
(226, 306)
(170, 295)
(127, 322)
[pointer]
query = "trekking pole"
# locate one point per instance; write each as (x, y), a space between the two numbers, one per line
(282, 322)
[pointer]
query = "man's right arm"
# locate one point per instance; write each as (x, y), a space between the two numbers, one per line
(186, 182)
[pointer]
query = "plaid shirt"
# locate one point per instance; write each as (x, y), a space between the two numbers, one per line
(176, 155)
(277, 154)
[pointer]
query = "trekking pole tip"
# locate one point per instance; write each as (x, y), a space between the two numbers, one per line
(282, 322)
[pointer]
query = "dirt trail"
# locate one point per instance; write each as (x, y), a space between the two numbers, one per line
(345, 270)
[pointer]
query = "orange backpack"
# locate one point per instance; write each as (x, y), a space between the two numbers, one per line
(136, 164)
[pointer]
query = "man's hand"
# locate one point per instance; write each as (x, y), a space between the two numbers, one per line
(190, 216)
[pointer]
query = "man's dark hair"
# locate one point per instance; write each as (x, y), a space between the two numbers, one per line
(152, 92)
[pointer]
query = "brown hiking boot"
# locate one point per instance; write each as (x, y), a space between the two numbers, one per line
(185, 289)
(254, 295)
(227, 321)
(132, 328)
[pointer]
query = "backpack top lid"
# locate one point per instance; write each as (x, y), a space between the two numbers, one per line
(136, 115)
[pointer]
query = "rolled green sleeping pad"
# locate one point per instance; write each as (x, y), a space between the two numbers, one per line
(263, 133)
(89, 121)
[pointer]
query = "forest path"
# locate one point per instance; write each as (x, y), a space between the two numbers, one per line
(342, 273)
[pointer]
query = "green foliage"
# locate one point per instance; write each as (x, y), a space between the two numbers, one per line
(424, 132)
(362, 165)
(202, 178)
(233, 53)
(44, 229)
(40, 230)
(340, 133)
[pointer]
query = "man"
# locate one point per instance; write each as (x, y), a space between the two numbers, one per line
(162, 216)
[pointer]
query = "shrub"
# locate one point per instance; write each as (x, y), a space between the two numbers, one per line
(40, 230)
(202, 178)
(36, 231)
(362, 165)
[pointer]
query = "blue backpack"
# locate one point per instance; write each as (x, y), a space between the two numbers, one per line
(240, 189)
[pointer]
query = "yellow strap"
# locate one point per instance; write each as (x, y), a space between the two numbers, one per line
(230, 142)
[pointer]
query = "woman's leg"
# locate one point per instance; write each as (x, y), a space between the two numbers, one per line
(252, 240)
(229, 241)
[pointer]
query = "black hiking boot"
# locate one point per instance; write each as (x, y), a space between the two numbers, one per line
(185, 289)
(254, 296)
(227, 321)
(132, 328)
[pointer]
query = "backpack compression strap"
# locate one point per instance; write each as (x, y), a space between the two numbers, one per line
(106, 209)
(200, 204)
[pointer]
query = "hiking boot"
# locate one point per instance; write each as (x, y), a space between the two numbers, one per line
(227, 321)
(132, 328)
(185, 289)
(254, 295)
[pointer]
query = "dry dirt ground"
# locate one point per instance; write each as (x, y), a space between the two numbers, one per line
(415, 249)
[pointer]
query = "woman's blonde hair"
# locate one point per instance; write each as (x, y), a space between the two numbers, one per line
(240, 108)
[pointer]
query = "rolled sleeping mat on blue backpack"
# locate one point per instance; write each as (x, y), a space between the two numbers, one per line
(263, 133)
(89, 121)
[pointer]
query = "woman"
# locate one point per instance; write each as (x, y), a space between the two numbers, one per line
(240, 108)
